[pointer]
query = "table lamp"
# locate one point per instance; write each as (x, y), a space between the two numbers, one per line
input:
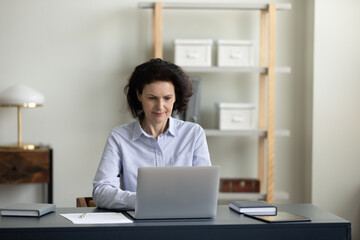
(21, 96)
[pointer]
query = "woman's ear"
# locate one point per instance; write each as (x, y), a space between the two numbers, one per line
(138, 95)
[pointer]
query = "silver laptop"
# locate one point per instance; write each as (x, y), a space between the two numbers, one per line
(176, 192)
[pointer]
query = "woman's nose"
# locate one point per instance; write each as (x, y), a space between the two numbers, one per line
(160, 103)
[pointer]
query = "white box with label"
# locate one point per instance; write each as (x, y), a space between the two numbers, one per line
(236, 116)
(193, 52)
(235, 53)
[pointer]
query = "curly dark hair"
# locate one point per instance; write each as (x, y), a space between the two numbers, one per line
(158, 70)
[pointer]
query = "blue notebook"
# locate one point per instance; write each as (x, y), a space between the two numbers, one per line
(28, 209)
(253, 207)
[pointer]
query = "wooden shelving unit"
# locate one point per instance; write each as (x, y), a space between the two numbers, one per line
(261, 70)
(259, 133)
(266, 71)
(215, 6)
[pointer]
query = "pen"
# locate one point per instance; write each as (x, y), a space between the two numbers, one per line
(83, 215)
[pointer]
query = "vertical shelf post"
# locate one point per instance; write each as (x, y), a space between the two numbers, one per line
(271, 103)
(157, 30)
(262, 93)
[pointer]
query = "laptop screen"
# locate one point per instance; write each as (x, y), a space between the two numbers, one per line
(177, 192)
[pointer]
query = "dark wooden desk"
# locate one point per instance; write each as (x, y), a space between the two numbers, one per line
(27, 166)
(226, 225)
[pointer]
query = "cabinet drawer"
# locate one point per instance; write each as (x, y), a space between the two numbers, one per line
(193, 52)
(239, 185)
(235, 53)
(235, 116)
(25, 166)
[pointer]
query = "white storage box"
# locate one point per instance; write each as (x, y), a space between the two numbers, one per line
(193, 52)
(235, 53)
(236, 116)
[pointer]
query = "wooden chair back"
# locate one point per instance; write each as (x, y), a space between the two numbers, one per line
(85, 202)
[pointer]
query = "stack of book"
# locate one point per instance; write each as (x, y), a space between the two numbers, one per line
(253, 208)
(265, 212)
(28, 209)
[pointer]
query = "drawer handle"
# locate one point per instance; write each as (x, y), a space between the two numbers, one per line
(15, 168)
(236, 55)
(237, 119)
(193, 54)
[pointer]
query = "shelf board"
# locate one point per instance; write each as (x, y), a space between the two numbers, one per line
(278, 195)
(223, 6)
(229, 133)
(262, 70)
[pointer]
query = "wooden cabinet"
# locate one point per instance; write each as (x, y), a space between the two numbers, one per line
(27, 166)
(266, 71)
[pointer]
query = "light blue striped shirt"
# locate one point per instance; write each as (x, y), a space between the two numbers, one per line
(129, 147)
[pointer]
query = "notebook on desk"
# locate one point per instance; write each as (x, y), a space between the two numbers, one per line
(176, 192)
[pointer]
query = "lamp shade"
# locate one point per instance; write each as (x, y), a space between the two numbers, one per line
(21, 95)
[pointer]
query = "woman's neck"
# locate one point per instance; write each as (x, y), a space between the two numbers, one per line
(154, 130)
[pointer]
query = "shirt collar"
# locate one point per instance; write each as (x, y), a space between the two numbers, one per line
(172, 129)
(137, 131)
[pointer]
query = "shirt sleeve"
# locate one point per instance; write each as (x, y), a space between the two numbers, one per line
(201, 155)
(106, 184)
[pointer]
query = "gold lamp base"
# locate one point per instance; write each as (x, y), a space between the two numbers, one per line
(20, 146)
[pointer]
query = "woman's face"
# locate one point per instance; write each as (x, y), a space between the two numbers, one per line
(157, 100)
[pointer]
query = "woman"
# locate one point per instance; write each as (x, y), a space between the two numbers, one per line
(156, 89)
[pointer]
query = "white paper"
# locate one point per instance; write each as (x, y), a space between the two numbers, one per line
(97, 218)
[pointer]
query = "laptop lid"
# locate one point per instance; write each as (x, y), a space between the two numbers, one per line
(177, 192)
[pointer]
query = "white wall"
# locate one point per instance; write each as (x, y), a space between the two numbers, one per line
(79, 55)
(336, 122)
